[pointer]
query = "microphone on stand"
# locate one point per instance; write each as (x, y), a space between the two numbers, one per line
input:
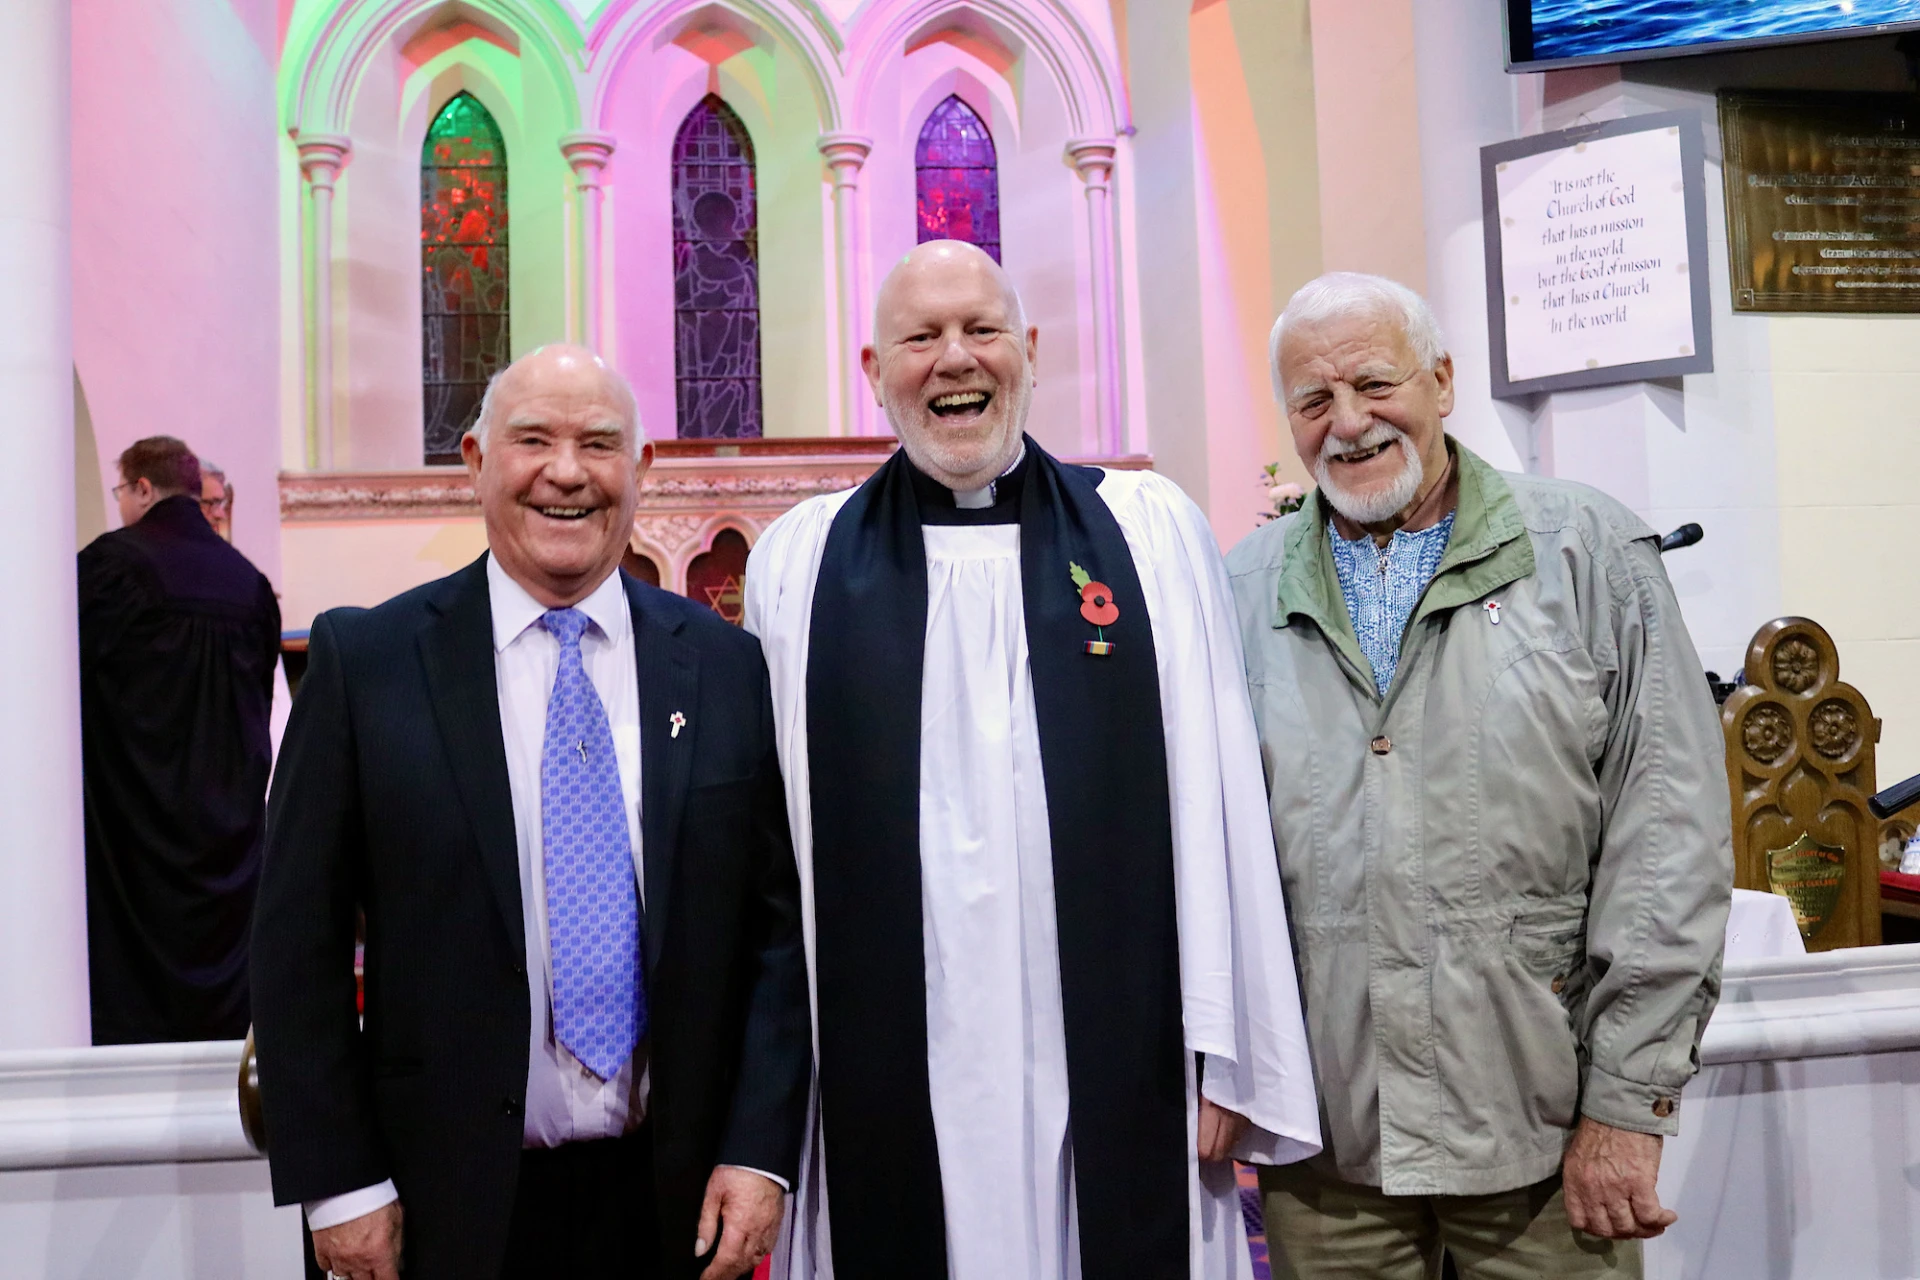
(1685, 536)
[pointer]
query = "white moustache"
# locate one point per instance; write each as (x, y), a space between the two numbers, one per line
(1378, 434)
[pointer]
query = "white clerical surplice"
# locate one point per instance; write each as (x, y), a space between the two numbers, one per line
(996, 1043)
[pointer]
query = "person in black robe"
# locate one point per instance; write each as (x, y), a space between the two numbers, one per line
(179, 634)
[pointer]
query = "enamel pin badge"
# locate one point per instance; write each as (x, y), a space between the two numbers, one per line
(1097, 607)
(1493, 612)
(678, 722)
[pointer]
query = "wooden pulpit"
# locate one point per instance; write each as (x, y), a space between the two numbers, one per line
(1800, 765)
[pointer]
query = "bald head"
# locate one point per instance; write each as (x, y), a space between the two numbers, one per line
(952, 362)
(562, 368)
(938, 261)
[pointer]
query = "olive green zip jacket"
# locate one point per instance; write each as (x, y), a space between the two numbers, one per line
(1508, 878)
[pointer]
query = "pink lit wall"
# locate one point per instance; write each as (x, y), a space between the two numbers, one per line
(1366, 122)
(176, 233)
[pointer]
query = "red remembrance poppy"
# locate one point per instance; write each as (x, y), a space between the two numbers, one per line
(1096, 604)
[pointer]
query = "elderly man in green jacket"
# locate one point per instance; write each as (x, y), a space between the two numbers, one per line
(1497, 786)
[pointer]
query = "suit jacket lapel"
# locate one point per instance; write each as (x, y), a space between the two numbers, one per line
(669, 683)
(457, 652)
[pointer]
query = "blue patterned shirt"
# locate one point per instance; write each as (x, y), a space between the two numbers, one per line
(1383, 587)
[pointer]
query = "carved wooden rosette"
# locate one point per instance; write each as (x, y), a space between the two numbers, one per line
(1800, 765)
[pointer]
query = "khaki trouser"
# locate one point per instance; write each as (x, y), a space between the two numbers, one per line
(1319, 1228)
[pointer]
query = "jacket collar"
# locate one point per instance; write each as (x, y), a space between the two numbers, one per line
(1488, 549)
(178, 513)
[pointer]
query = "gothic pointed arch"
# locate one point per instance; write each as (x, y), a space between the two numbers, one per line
(716, 275)
(956, 177)
(466, 332)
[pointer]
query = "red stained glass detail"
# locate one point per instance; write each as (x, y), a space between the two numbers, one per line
(717, 577)
(957, 178)
(464, 294)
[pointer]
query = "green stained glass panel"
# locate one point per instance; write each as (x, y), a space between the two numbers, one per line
(464, 294)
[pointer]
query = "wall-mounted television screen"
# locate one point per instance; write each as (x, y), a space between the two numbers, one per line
(1558, 33)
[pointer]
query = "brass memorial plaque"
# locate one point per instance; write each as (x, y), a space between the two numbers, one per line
(1823, 200)
(1809, 875)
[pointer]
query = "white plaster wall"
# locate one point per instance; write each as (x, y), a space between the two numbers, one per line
(1465, 102)
(363, 562)
(1695, 449)
(1796, 454)
(175, 240)
(213, 1221)
(376, 394)
(1829, 401)
(1365, 124)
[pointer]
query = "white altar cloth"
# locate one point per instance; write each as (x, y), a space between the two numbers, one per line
(1760, 926)
(1800, 1139)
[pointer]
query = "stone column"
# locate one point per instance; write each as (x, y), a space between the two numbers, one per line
(322, 157)
(845, 154)
(588, 154)
(1092, 159)
(43, 946)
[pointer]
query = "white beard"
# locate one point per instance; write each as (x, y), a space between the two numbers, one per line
(1380, 504)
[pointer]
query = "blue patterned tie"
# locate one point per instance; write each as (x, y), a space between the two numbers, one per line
(593, 907)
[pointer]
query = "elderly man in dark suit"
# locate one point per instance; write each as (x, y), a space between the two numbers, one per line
(553, 793)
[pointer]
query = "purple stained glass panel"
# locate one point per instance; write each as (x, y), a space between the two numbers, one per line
(465, 333)
(716, 275)
(957, 178)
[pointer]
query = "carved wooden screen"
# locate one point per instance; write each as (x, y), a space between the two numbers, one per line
(1800, 766)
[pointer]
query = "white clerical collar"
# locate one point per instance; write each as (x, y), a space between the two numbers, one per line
(982, 498)
(514, 610)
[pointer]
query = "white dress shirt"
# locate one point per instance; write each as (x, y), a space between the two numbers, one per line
(565, 1101)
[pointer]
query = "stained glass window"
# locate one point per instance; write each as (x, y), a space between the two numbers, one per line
(957, 178)
(716, 275)
(463, 269)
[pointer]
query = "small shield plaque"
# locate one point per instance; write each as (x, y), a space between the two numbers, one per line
(1810, 876)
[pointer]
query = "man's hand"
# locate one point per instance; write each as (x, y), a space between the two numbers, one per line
(743, 1209)
(1220, 1130)
(363, 1248)
(1609, 1179)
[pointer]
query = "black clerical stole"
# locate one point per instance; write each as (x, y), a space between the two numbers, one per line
(1103, 757)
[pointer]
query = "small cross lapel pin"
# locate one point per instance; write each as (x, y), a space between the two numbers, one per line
(1493, 612)
(678, 722)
